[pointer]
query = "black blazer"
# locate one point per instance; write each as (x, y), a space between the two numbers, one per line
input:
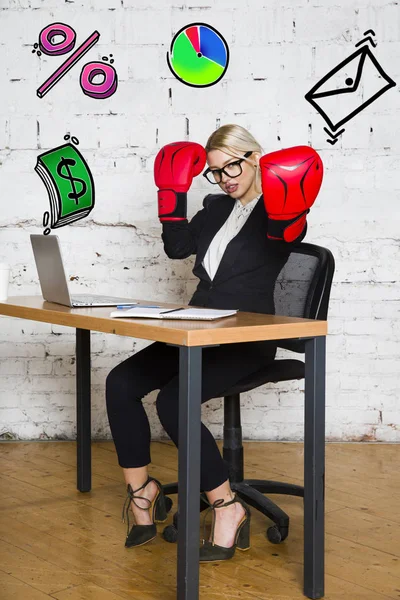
(246, 275)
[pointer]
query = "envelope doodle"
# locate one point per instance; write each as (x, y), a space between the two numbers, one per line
(350, 87)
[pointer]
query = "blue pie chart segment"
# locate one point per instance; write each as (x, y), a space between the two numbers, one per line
(212, 47)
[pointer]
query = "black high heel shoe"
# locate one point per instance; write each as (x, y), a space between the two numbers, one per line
(210, 551)
(141, 534)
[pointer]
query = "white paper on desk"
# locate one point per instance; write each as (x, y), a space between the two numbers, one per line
(202, 314)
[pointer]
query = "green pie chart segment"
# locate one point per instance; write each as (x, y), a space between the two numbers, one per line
(191, 65)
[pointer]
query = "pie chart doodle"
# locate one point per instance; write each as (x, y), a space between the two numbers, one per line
(199, 55)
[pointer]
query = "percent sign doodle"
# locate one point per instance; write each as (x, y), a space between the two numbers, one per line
(49, 46)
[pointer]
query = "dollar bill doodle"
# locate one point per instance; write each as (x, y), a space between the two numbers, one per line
(69, 183)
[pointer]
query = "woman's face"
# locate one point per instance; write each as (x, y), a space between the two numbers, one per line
(236, 187)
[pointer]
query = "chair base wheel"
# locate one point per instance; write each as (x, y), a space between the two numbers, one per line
(170, 534)
(276, 534)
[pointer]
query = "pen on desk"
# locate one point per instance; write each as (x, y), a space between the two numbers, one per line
(126, 305)
(164, 312)
(137, 306)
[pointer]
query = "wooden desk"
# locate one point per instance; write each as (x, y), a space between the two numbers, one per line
(191, 336)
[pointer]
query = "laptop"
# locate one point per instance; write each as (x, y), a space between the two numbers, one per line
(50, 268)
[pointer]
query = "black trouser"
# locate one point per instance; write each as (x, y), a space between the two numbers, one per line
(157, 367)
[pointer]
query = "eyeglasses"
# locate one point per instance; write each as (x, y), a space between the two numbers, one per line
(233, 169)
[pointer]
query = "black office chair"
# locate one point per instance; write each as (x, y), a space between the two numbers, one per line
(302, 289)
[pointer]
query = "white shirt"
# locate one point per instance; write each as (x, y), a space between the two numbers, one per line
(229, 229)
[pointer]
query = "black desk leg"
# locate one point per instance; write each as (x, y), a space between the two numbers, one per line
(189, 472)
(83, 425)
(314, 467)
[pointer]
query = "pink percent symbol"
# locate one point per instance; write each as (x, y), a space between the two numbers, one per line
(47, 44)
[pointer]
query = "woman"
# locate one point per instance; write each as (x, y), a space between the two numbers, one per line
(237, 264)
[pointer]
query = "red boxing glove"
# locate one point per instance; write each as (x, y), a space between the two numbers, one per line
(174, 168)
(290, 181)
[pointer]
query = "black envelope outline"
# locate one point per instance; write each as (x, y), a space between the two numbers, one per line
(364, 51)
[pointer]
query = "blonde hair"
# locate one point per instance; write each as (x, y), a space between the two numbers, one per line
(235, 140)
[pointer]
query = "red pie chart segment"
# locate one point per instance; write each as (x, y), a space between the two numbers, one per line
(193, 35)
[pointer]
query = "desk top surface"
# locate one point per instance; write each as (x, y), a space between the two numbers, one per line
(242, 327)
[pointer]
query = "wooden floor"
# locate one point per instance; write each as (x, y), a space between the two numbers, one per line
(58, 543)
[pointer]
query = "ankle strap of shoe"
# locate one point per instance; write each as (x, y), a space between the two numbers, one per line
(220, 502)
(131, 491)
(131, 498)
(211, 507)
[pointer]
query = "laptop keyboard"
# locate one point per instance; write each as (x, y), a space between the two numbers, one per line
(95, 299)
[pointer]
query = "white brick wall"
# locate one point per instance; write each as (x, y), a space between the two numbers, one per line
(279, 49)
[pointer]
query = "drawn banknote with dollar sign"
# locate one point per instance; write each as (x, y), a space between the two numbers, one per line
(69, 183)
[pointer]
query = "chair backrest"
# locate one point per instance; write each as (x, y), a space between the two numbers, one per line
(303, 287)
